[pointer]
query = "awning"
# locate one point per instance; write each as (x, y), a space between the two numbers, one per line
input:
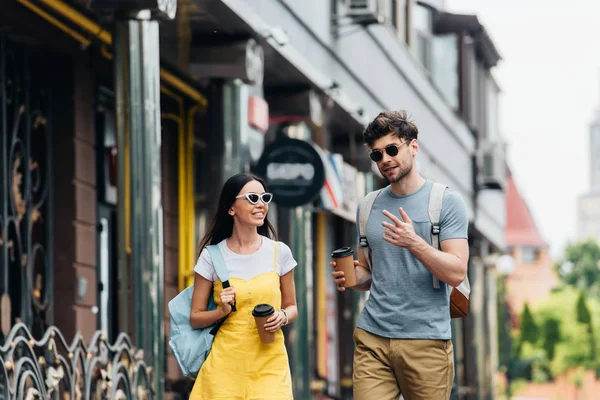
(289, 60)
(83, 27)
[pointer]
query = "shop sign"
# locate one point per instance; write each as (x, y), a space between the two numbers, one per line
(293, 170)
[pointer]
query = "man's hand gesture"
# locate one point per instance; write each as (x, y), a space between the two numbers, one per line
(400, 233)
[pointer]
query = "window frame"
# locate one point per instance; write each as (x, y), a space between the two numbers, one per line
(427, 35)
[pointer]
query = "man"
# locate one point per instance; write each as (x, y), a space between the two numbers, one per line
(403, 338)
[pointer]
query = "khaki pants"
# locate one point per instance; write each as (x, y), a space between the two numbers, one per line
(384, 368)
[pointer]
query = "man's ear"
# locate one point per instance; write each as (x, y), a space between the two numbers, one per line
(414, 147)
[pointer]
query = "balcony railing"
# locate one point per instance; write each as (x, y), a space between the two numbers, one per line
(52, 369)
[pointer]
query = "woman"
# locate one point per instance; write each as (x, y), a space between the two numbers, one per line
(239, 365)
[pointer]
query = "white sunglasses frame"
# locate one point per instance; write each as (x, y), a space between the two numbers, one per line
(260, 197)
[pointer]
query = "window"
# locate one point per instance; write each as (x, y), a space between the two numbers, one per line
(387, 9)
(470, 102)
(401, 11)
(493, 121)
(423, 27)
(529, 255)
(482, 86)
(444, 69)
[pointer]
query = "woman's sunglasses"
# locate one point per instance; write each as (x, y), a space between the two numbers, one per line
(392, 150)
(254, 197)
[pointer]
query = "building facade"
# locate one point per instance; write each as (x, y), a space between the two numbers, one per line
(588, 216)
(96, 210)
(533, 277)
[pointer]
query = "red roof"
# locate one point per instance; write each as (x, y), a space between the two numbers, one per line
(521, 229)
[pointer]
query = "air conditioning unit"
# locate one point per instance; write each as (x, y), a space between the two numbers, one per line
(491, 166)
(366, 12)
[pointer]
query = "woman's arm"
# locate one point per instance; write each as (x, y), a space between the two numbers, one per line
(288, 304)
(199, 316)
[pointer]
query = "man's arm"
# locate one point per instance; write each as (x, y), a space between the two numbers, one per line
(448, 265)
(362, 271)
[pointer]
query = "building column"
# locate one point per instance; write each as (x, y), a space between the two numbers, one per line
(474, 324)
(137, 94)
(240, 115)
(302, 249)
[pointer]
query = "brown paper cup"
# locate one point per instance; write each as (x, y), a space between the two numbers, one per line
(344, 259)
(261, 313)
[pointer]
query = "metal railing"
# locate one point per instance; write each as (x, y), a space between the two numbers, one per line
(52, 369)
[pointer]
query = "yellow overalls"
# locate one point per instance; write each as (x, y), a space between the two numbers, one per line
(240, 366)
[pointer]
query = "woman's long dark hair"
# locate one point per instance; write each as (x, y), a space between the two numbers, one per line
(222, 225)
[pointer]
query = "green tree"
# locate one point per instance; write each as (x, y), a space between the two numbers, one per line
(551, 327)
(585, 317)
(529, 329)
(581, 267)
(574, 349)
(566, 336)
(583, 313)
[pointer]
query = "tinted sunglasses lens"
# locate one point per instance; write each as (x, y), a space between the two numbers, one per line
(267, 197)
(392, 151)
(376, 155)
(252, 198)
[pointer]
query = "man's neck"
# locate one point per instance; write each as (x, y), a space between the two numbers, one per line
(407, 185)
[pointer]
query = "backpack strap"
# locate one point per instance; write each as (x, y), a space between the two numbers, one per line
(435, 212)
(218, 262)
(220, 268)
(364, 210)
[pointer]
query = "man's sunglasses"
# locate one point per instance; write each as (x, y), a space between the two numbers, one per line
(254, 197)
(391, 150)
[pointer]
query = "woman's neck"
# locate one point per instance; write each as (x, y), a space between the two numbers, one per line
(244, 239)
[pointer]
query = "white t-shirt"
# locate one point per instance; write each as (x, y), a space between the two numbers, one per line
(247, 266)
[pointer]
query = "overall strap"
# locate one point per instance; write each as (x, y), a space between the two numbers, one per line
(276, 243)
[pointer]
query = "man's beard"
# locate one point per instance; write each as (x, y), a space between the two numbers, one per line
(402, 173)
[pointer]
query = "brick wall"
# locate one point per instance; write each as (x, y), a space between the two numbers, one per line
(170, 189)
(75, 235)
(74, 176)
(530, 283)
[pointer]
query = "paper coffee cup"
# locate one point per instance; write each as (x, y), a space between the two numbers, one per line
(261, 313)
(344, 260)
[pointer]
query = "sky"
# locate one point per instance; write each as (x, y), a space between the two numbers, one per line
(550, 80)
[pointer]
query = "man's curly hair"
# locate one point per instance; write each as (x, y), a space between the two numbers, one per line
(395, 122)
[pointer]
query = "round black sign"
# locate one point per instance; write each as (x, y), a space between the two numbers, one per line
(293, 170)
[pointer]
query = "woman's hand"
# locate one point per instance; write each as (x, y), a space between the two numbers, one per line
(227, 299)
(276, 321)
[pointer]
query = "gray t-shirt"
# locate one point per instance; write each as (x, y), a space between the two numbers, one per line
(402, 303)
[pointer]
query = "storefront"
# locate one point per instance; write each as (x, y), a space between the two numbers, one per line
(62, 115)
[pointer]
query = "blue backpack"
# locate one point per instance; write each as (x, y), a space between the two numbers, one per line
(191, 346)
